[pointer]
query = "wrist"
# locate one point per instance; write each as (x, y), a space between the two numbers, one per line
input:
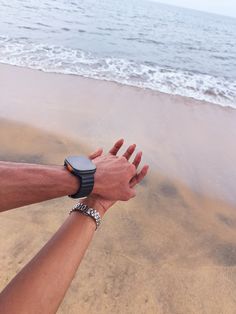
(96, 202)
(96, 187)
(71, 183)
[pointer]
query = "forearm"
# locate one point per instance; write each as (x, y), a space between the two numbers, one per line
(24, 184)
(42, 284)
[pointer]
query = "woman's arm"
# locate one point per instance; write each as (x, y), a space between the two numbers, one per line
(43, 282)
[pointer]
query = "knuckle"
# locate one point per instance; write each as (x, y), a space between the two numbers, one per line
(121, 158)
(132, 168)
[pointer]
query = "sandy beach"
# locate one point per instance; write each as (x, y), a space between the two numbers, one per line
(171, 250)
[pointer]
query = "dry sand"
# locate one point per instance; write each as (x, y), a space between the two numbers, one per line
(170, 250)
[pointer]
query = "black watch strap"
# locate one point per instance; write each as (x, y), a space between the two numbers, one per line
(86, 185)
(83, 168)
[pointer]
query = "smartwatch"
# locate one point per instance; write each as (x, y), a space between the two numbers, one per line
(84, 169)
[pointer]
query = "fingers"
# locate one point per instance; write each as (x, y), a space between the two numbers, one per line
(132, 171)
(114, 150)
(96, 154)
(139, 177)
(137, 159)
(129, 151)
(142, 173)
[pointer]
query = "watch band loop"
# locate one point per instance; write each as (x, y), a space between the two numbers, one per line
(86, 186)
(84, 169)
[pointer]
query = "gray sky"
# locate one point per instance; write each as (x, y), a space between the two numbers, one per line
(225, 7)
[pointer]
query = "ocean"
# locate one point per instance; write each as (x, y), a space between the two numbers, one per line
(135, 42)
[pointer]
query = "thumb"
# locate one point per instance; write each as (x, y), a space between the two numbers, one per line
(96, 154)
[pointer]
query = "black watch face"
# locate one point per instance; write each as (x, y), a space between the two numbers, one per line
(81, 164)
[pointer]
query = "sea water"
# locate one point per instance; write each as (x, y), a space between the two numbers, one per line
(133, 42)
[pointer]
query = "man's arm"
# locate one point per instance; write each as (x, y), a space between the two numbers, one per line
(24, 184)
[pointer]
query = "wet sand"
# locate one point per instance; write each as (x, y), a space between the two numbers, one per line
(170, 250)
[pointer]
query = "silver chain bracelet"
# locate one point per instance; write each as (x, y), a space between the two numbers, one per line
(86, 210)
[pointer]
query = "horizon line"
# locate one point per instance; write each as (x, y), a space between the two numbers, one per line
(193, 9)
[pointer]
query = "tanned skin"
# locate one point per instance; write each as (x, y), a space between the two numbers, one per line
(41, 285)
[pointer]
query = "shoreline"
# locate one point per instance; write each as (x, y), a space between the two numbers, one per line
(149, 89)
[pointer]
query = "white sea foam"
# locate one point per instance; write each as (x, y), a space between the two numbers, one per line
(217, 90)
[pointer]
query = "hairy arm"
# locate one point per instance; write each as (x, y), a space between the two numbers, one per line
(24, 184)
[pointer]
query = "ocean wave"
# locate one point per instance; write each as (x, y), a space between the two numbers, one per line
(57, 59)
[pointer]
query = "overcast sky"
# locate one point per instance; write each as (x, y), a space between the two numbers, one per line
(225, 7)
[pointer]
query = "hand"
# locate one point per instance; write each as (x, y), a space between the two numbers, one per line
(102, 204)
(113, 175)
